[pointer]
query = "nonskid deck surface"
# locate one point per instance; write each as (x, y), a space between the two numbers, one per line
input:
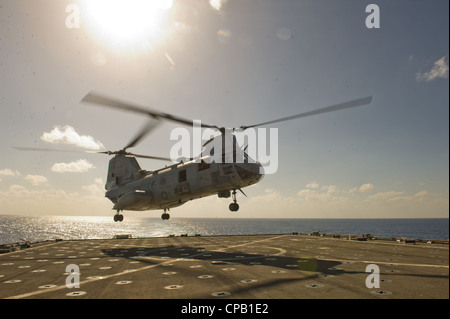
(216, 267)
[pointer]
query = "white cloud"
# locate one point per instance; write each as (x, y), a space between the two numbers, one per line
(36, 180)
(9, 172)
(329, 189)
(438, 70)
(325, 194)
(394, 196)
(421, 196)
(95, 189)
(312, 185)
(366, 188)
(387, 196)
(79, 166)
(18, 199)
(305, 192)
(314, 195)
(68, 135)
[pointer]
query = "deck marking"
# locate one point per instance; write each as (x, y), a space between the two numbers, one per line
(38, 292)
(389, 263)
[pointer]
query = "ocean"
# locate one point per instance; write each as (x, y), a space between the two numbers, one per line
(40, 228)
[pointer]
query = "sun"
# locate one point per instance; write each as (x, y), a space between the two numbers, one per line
(127, 24)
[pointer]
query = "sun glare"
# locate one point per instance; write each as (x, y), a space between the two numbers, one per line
(127, 24)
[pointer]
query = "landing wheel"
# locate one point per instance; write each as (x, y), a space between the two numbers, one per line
(234, 207)
(118, 218)
(165, 216)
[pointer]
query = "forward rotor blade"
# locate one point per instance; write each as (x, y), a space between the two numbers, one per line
(336, 107)
(146, 129)
(23, 148)
(99, 99)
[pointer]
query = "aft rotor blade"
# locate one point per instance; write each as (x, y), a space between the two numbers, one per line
(146, 129)
(99, 99)
(24, 148)
(336, 107)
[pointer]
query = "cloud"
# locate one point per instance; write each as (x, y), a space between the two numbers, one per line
(401, 197)
(18, 199)
(36, 180)
(317, 196)
(329, 189)
(68, 135)
(438, 70)
(387, 196)
(312, 185)
(305, 192)
(79, 166)
(95, 189)
(9, 172)
(421, 196)
(366, 188)
(325, 194)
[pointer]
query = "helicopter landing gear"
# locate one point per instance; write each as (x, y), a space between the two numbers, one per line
(165, 216)
(118, 217)
(234, 207)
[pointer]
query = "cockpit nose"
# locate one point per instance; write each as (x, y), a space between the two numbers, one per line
(260, 171)
(250, 172)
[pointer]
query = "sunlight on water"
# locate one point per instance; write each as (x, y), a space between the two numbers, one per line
(34, 228)
(15, 228)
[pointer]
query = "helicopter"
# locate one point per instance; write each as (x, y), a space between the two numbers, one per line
(222, 168)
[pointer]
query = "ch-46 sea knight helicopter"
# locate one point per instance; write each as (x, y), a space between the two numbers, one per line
(131, 188)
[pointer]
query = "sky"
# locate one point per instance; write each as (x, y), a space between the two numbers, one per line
(230, 63)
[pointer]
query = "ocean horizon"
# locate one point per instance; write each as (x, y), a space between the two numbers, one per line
(16, 228)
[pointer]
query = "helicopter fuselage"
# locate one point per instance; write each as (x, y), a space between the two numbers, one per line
(174, 185)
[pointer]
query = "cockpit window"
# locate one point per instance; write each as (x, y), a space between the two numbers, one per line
(182, 176)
